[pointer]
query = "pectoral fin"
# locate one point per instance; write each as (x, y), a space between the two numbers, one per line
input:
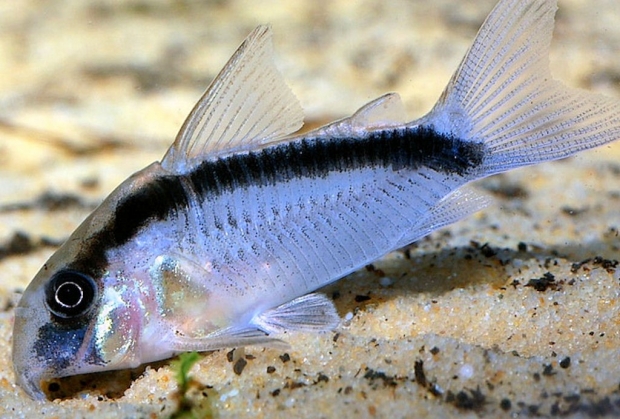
(232, 337)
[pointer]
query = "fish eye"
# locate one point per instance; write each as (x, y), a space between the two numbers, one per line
(70, 294)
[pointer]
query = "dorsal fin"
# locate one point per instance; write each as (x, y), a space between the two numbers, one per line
(246, 105)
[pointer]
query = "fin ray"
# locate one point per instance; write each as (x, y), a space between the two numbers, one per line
(227, 338)
(453, 207)
(312, 312)
(503, 95)
(246, 105)
(384, 112)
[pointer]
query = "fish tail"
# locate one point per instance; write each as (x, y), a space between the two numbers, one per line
(503, 96)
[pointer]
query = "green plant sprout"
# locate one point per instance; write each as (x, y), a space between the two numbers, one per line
(189, 408)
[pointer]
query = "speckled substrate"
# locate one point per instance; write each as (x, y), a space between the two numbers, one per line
(511, 312)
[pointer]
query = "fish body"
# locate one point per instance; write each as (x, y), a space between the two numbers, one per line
(224, 242)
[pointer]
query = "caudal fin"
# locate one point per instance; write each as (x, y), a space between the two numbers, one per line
(503, 94)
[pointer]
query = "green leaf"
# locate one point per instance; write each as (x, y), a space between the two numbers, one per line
(182, 366)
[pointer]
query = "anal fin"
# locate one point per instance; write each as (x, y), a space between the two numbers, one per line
(456, 205)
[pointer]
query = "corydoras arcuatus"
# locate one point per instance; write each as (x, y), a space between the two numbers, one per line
(223, 242)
